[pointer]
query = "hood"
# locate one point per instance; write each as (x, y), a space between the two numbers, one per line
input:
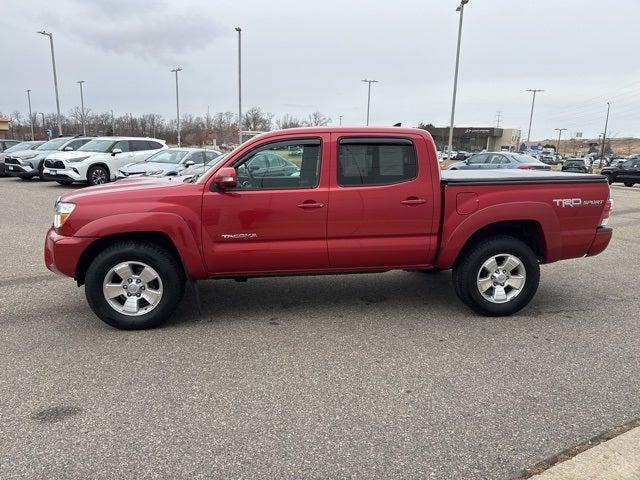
(143, 167)
(123, 186)
(72, 154)
(31, 153)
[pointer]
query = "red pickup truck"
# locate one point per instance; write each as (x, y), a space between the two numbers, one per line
(324, 200)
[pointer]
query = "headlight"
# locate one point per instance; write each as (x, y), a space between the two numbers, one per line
(63, 211)
(27, 157)
(78, 159)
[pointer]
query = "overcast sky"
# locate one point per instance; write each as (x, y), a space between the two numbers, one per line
(304, 55)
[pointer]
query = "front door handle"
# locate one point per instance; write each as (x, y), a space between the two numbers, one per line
(413, 201)
(311, 204)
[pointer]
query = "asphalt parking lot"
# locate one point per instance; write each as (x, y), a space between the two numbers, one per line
(371, 376)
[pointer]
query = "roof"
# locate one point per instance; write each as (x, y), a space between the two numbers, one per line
(129, 138)
(346, 130)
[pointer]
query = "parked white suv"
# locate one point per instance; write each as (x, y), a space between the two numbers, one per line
(98, 161)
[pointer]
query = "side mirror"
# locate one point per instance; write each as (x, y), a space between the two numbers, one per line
(226, 177)
(115, 151)
(68, 148)
(189, 163)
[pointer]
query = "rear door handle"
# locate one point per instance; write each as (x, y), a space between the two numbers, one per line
(311, 204)
(413, 201)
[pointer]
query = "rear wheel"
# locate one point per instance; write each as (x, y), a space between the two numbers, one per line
(134, 285)
(497, 276)
(609, 179)
(629, 184)
(97, 175)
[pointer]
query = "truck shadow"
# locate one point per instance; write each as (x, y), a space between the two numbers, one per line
(260, 299)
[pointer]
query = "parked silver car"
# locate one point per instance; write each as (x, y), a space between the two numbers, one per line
(172, 161)
(20, 147)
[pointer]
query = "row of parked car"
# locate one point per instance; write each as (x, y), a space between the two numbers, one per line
(98, 160)
(626, 171)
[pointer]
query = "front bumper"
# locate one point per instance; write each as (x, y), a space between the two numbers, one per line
(16, 170)
(62, 174)
(600, 241)
(61, 254)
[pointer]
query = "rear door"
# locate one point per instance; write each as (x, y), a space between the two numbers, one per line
(381, 207)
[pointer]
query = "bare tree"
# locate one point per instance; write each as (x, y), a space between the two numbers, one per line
(317, 119)
(289, 121)
(256, 120)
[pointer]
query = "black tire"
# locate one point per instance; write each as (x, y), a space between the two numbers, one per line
(64, 182)
(41, 171)
(21, 177)
(162, 261)
(609, 179)
(97, 175)
(629, 184)
(465, 275)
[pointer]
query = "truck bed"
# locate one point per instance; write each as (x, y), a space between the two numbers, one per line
(511, 176)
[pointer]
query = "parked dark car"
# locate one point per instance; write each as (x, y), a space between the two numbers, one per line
(577, 165)
(627, 172)
(32, 145)
(493, 160)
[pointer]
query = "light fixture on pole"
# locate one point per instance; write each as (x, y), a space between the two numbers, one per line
(239, 30)
(560, 130)
(455, 76)
(533, 102)
(30, 114)
(604, 136)
(55, 78)
(84, 128)
(176, 70)
(369, 95)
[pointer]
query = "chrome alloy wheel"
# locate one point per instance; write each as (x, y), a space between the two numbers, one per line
(501, 278)
(98, 176)
(132, 288)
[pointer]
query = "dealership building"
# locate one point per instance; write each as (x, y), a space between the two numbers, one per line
(475, 139)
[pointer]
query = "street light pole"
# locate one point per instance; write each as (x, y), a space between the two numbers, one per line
(239, 30)
(369, 96)
(560, 130)
(455, 76)
(340, 119)
(84, 128)
(44, 127)
(113, 124)
(533, 102)
(176, 70)
(30, 114)
(55, 78)
(604, 136)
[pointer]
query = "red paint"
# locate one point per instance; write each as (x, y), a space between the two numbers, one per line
(418, 223)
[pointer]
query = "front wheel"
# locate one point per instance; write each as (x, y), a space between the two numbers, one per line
(66, 183)
(97, 175)
(609, 179)
(629, 184)
(497, 276)
(134, 285)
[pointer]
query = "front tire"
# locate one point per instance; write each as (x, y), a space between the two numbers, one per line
(134, 285)
(97, 175)
(66, 183)
(629, 184)
(497, 276)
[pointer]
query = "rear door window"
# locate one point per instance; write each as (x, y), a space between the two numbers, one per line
(371, 161)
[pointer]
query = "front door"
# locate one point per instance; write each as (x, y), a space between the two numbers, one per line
(381, 211)
(270, 223)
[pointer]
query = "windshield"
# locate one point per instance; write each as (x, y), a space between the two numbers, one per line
(168, 156)
(96, 146)
(213, 162)
(54, 144)
(522, 158)
(18, 147)
(207, 166)
(575, 161)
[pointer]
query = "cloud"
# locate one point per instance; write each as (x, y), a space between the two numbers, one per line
(165, 32)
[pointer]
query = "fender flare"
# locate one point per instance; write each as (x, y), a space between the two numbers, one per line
(538, 212)
(170, 224)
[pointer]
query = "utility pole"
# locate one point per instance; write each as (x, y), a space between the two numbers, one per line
(176, 70)
(604, 135)
(340, 119)
(498, 118)
(369, 96)
(239, 30)
(455, 76)
(30, 114)
(55, 78)
(84, 128)
(560, 130)
(44, 127)
(533, 102)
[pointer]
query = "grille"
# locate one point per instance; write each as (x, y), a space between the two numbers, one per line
(53, 164)
(11, 161)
